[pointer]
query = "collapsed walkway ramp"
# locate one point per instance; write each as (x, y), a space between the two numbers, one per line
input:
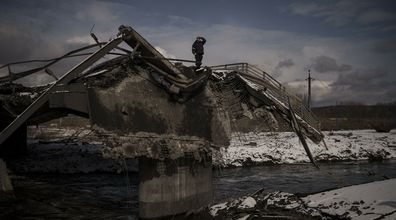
(264, 87)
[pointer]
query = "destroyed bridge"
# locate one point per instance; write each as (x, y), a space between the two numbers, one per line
(167, 115)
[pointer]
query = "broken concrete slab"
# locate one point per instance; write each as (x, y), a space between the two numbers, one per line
(137, 104)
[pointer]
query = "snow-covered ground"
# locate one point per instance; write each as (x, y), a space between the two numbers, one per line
(376, 200)
(69, 150)
(285, 147)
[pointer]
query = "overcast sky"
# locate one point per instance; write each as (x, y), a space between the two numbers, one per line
(350, 46)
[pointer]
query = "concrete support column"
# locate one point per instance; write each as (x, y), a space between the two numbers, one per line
(169, 187)
(16, 143)
(6, 189)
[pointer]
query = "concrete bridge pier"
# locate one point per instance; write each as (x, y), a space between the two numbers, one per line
(16, 144)
(169, 187)
(6, 189)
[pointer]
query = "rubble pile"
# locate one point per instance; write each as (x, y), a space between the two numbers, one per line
(108, 73)
(14, 98)
(229, 107)
(140, 144)
(246, 113)
(373, 200)
(263, 205)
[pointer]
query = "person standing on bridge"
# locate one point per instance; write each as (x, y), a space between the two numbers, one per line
(198, 51)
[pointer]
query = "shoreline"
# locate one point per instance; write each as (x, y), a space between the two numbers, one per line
(84, 155)
(373, 200)
(284, 148)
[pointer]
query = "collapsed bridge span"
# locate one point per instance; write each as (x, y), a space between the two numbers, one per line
(167, 115)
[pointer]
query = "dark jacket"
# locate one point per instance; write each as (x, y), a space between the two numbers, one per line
(197, 47)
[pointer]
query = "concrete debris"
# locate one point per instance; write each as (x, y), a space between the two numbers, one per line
(262, 205)
(151, 145)
(109, 72)
(14, 98)
(246, 112)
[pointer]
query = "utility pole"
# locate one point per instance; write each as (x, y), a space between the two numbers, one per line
(309, 88)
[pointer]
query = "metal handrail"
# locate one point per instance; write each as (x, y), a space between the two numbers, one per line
(275, 88)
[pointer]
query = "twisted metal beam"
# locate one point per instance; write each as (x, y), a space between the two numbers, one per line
(14, 76)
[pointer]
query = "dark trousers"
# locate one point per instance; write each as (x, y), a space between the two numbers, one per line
(198, 59)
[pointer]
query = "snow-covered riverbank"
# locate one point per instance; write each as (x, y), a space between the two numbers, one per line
(65, 150)
(375, 200)
(284, 147)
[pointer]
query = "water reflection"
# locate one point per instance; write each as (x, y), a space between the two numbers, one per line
(114, 196)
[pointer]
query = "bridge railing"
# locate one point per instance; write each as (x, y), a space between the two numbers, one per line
(274, 88)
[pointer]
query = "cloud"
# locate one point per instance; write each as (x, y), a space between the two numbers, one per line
(280, 51)
(80, 40)
(389, 28)
(285, 55)
(323, 64)
(98, 12)
(384, 46)
(337, 13)
(179, 20)
(343, 12)
(306, 8)
(362, 79)
(225, 43)
(287, 63)
(375, 15)
(364, 85)
(17, 44)
(165, 53)
(320, 89)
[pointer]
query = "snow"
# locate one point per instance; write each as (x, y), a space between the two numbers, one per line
(365, 201)
(243, 203)
(30, 94)
(214, 209)
(249, 202)
(278, 198)
(245, 149)
(244, 217)
(375, 200)
(262, 204)
(285, 147)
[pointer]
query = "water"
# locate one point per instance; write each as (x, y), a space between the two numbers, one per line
(114, 196)
(301, 178)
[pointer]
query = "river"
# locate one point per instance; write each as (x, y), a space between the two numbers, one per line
(114, 196)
